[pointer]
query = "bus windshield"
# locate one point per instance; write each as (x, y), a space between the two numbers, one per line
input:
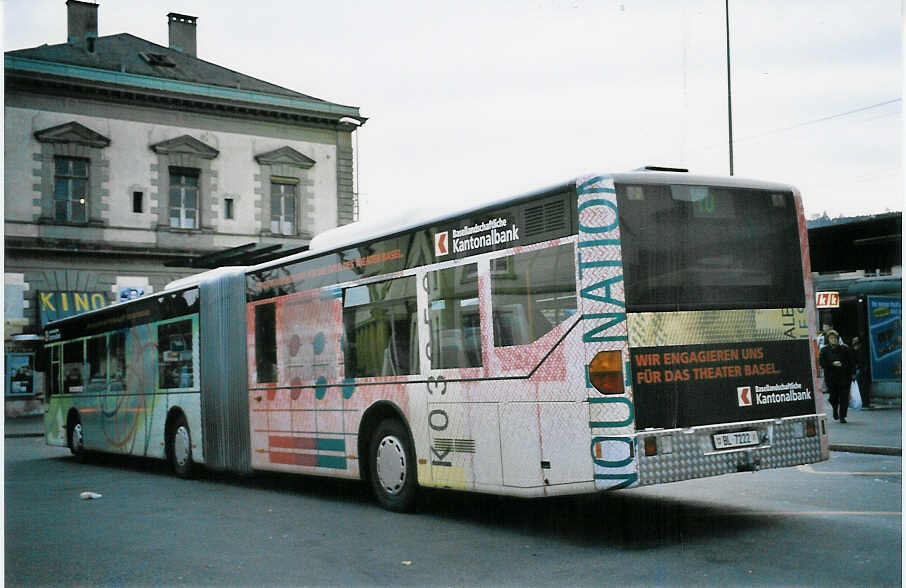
(701, 248)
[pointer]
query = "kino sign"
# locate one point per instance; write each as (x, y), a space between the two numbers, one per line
(57, 305)
(827, 299)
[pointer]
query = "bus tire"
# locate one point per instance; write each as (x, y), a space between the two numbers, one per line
(392, 466)
(75, 439)
(180, 445)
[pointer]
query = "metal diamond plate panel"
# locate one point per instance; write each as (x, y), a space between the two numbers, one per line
(692, 455)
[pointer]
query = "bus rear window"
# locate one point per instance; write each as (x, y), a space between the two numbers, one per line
(701, 248)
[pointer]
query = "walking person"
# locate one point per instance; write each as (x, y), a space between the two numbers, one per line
(863, 370)
(839, 371)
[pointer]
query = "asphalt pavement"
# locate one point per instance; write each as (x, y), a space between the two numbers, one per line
(874, 430)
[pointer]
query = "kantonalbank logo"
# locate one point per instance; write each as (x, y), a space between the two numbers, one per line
(441, 244)
(780, 393)
(772, 394)
(478, 236)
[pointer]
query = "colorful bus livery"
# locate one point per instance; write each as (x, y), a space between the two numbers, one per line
(612, 332)
(122, 378)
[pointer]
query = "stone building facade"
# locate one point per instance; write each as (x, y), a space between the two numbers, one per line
(126, 161)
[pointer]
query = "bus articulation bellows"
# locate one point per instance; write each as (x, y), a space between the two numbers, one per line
(616, 331)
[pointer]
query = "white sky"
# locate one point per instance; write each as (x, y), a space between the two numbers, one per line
(478, 99)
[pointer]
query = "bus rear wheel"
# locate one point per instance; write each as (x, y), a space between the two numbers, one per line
(76, 440)
(392, 467)
(180, 443)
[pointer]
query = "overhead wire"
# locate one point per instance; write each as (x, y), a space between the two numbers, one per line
(823, 119)
(813, 121)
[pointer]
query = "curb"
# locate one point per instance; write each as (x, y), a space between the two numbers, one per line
(873, 449)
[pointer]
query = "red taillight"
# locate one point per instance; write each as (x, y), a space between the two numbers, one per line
(605, 372)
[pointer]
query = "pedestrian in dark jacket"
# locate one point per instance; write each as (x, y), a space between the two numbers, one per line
(863, 373)
(839, 371)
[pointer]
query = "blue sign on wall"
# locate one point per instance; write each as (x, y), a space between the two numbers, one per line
(885, 334)
(20, 374)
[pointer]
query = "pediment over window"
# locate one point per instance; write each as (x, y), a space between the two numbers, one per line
(185, 144)
(72, 132)
(285, 156)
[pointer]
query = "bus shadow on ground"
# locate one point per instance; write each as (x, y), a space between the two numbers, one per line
(616, 519)
(314, 487)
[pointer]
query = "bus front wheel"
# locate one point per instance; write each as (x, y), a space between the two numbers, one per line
(392, 464)
(181, 447)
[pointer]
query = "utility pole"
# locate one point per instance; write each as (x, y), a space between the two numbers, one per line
(729, 98)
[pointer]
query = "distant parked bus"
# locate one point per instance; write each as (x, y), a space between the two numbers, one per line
(615, 331)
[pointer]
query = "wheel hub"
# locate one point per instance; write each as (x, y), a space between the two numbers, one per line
(181, 445)
(390, 463)
(77, 437)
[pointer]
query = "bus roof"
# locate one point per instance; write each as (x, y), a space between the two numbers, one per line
(404, 221)
(401, 222)
(196, 279)
(660, 177)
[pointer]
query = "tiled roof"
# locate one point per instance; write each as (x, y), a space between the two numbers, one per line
(123, 53)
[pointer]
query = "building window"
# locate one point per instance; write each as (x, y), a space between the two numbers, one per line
(228, 208)
(138, 204)
(70, 194)
(183, 198)
(283, 207)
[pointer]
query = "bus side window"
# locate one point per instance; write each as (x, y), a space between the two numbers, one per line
(175, 354)
(266, 343)
(381, 334)
(118, 361)
(97, 364)
(535, 293)
(73, 367)
(454, 317)
(52, 387)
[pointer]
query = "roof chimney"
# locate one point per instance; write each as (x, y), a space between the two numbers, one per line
(82, 22)
(182, 33)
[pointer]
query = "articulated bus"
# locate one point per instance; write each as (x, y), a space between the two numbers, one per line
(612, 332)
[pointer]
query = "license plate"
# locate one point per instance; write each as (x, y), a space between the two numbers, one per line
(738, 439)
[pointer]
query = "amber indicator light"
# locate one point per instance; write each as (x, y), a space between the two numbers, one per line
(606, 372)
(650, 446)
